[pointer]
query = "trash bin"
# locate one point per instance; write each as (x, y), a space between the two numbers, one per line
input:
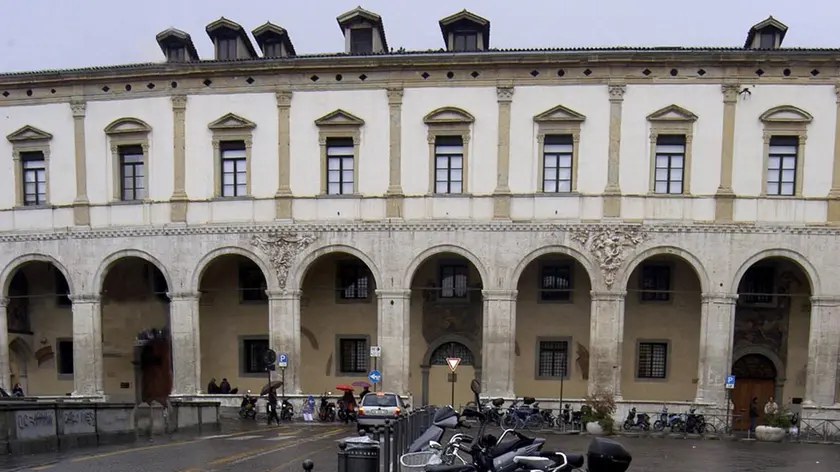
(359, 454)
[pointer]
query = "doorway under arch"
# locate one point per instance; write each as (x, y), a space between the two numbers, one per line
(437, 389)
(756, 376)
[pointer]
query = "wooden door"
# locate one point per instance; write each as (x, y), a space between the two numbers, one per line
(440, 389)
(743, 393)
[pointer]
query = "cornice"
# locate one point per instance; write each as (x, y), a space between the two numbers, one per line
(432, 226)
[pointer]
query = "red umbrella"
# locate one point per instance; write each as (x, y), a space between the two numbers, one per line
(361, 383)
(344, 388)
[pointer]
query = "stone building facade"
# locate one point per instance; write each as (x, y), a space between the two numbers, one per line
(644, 221)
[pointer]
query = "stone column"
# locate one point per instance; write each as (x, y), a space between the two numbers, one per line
(283, 197)
(81, 205)
(725, 196)
(501, 195)
(5, 368)
(498, 347)
(186, 347)
(823, 351)
(394, 337)
(178, 201)
(612, 193)
(394, 208)
(606, 340)
(834, 193)
(284, 334)
(717, 324)
(87, 346)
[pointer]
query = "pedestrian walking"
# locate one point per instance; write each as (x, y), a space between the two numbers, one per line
(753, 413)
(272, 407)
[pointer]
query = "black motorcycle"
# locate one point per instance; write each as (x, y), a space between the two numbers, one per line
(248, 407)
(287, 411)
(326, 411)
(569, 418)
(641, 420)
(695, 423)
(345, 413)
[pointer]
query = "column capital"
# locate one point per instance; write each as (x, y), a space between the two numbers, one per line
(395, 94)
(504, 93)
(85, 298)
(825, 301)
(720, 298)
(179, 102)
(397, 293)
(183, 296)
(499, 295)
(607, 296)
(730, 92)
(617, 92)
(284, 98)
(78, 107)
(283, 294)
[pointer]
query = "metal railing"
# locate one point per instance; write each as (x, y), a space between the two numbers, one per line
(817, 430)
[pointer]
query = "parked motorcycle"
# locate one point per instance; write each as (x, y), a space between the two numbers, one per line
(570, 419)
(248, 407)
(695, 423)
(346, 413)
(641, 420)
(326, 410)
(287, 411)
(672, 421)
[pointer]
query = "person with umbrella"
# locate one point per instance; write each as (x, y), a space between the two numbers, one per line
(365, 386)
(272, 406)
(348, 402)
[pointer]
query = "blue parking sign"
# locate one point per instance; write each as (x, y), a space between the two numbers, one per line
(730, 382)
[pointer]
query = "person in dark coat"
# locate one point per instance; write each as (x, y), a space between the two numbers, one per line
(212, 387)
(753, 413)
(224, 387)
(272, 407)
(364, 392)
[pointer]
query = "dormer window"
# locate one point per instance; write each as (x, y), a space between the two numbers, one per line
(273, 40)
(225, 49)
(768, 34)
(177, 46)
(768, 40)
(465, 41)
(231, 40)
(273, 49)
(361, 41)
(176, 54)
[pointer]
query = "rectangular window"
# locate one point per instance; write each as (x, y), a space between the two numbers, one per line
(557, 163)
(453, 281)
(252, 284)
(132, 173)
(234, 168)
(34, 178)
(553, 359)
(353, 355)
(670, 164)
(226, 49)
(361, 41)
(354, 281)
(652, 362)
(767, 41)
(449, 164)
(340, 166)
(655, 283)
(781, 165)
(273, 49)
(759, 285)
(253, 361)
(555, 283)
(176, 54)
(466, 41)
(65, 356)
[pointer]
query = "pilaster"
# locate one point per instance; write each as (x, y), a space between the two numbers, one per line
(394, 337)
(612, 192)
(501, 195)
(725, 197)
(717, 324)
(823, 352)
(5, 368)
(283, 197)
(81, 205)
(394, 195)
(179, 198)
(498, 349)
(186, 347)
(606, 340)
(834, 193)
(284, 334)
(87, 346)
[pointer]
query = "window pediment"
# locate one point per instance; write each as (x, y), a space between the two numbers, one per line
(560, 114)
(672, 113)
(786, 114)
(29, 133)
(339, 118)
(232, 121)
(448, 115)
(127, 126)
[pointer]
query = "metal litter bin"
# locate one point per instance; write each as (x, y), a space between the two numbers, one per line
(358, 455)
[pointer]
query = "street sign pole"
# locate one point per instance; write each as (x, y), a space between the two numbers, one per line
(453, 363)
(375, 353)
(730, 385)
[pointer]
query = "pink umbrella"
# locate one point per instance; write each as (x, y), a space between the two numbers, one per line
(361, 383)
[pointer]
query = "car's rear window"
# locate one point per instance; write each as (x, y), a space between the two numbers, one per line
(386, 401)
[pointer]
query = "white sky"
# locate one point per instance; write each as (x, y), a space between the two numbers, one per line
(52, 34)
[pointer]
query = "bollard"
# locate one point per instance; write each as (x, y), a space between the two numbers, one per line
(308, 465)
(386, 442)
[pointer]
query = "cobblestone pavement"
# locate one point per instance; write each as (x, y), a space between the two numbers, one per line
(283, 449)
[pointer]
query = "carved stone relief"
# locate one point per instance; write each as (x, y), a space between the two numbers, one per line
(281, 249)
(609, 246)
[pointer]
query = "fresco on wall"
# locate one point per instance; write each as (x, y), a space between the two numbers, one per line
(448, 316)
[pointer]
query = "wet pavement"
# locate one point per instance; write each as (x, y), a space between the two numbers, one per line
(283, 449)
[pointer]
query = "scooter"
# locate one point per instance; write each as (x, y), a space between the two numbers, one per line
(445, 418)
(642, 420)
(248, 407)
(287, 411)
(326, 411)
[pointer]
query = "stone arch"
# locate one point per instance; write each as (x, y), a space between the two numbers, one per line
(801, 261)
(684, 255)
(579, 257)
(18, 262)
(764, 352)
(419, 259)
(298, 273)
(270, 276)
(127, 124)
(107, 263)
(452, 338)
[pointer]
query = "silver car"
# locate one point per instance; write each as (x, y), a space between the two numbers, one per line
(376, 407)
